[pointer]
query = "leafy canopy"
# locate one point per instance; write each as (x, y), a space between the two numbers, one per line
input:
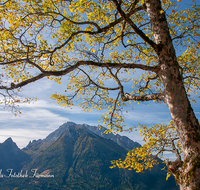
(99, 45)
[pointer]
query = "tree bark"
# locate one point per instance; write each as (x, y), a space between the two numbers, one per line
(186, 173)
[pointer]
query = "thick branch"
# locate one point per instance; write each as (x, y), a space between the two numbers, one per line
(155, 96)
(173, 166)
(75, 66)
(135, 28)
(175, 150)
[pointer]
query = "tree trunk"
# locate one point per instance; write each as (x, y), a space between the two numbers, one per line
(186, 173)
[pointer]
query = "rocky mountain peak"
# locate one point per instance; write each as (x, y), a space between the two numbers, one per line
(73, 129)
(8, 144)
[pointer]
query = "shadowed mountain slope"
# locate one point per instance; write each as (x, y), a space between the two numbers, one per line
(79, 158)
(11, 157)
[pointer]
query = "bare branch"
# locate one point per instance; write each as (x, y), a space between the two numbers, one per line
(191, 77)
(175, 150)
(94, 83)
(114, 109)
(147, 83)
(3, 3)
(119, 83)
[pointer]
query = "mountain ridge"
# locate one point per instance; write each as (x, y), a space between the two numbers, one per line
(42, 144)
(79, 158)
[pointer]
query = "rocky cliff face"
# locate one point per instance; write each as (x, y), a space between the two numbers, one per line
(40, 145)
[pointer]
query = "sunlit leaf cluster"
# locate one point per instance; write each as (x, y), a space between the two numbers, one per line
(158, 139)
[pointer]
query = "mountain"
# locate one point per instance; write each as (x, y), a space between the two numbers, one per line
(122, 141)
(79, 158)
(35, 147)
(11, 157)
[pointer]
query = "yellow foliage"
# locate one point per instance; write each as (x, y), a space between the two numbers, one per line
(50, 38)
(158, 139)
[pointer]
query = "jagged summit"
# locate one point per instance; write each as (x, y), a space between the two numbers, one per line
(8, 140)
(123, 141)
(79, 158)
(10, 144)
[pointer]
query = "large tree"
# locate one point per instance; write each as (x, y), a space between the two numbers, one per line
(101, 45)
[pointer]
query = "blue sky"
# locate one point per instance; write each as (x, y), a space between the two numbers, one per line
(40, 118)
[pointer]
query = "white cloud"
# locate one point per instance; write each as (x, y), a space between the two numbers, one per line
(22, 136)
(40, 104)
(34, 123)
(43, 104)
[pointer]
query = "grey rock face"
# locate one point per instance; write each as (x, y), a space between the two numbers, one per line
(41, 145)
